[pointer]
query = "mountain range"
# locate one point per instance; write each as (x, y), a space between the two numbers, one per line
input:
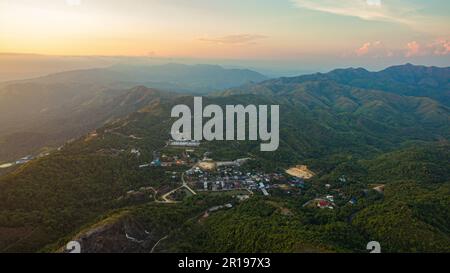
(406, 80)
(50, 110)
(375, 128)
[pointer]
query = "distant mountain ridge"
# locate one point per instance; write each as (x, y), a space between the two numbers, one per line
(32, 123)
(408, 80)
(200, 78)
(51, 109)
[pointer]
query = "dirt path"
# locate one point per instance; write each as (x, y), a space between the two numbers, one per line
(160, 240)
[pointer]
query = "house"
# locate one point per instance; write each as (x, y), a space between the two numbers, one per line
(156, 163)
(242, 197)
(24, 159)
(21, 161)
(324, 204)
(135, 152)
(330, 198)
(134, 137)
(215, 208)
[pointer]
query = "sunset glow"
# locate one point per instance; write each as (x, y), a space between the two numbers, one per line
(265, 30)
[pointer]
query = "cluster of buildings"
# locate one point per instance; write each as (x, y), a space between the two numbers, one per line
(209, 175)
(230, 177)
(183, 143)
(326, 202)
(183, 159)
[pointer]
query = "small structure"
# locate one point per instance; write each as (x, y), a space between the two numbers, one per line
(342, 179)
(6, 165)
(330, 198)
(24, 159)
(324, 204)
(242, 197)
(184, 143)
(156, 163)
(135, 152)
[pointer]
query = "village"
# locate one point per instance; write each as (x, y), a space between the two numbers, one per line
(188, 163)
(192, 170)
(199, 173)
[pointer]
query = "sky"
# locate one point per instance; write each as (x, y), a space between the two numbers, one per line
(274, 34)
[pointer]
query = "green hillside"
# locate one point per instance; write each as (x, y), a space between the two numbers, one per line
(370, 137)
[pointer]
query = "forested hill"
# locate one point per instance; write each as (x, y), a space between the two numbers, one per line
(408, 80)
(372, 137)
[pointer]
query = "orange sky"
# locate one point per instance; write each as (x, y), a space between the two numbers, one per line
(232, 29)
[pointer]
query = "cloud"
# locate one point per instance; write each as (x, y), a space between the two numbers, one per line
(377, 49)
(371, 10)
(364, 49)
(235, 39)
(374, 49)
(413, 49)
(438, 47)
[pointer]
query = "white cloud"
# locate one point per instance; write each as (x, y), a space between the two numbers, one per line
(438, 47)
(371, 10)
(375, 49)
(413, 49)
(235, 39)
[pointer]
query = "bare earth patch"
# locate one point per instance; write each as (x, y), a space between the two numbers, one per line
(300, 171)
